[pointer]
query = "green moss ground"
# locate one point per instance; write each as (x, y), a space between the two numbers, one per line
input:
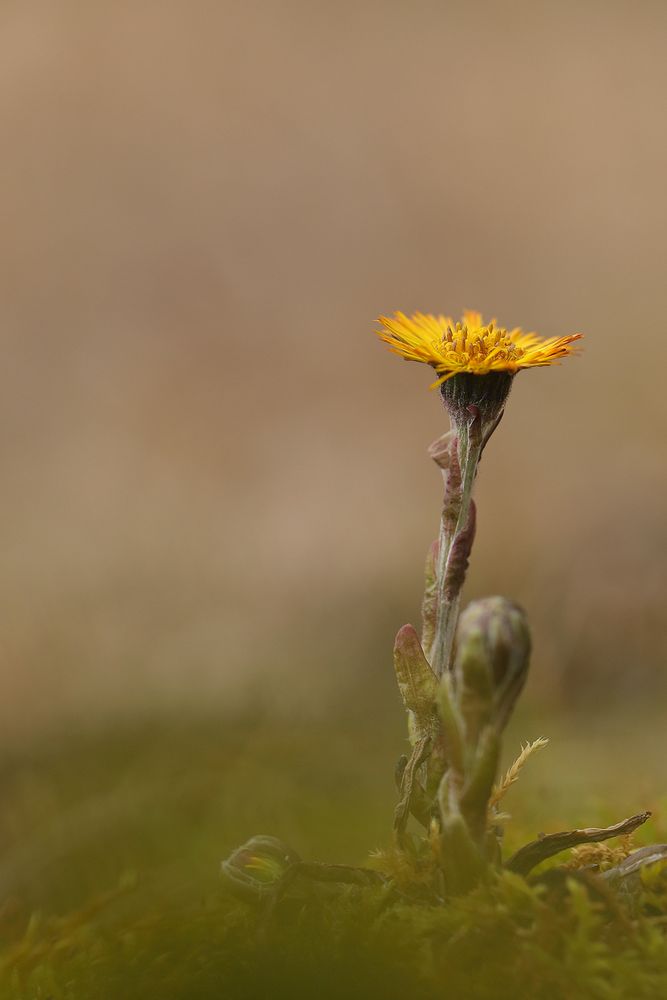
(111, 846)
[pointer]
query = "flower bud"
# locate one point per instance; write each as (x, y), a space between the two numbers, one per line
(256, 869)
(491, 665)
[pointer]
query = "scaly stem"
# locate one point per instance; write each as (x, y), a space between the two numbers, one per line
(449, 582)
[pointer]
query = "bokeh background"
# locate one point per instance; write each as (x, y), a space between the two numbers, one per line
(216, 498)
(215, 485)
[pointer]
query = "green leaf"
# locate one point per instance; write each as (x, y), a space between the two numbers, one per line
(416, 681)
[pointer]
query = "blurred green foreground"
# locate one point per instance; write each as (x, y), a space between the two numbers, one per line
(112, 842)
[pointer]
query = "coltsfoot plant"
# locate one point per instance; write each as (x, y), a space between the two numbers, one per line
(461, 676)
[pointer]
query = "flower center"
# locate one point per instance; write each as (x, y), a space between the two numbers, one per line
(478, 345)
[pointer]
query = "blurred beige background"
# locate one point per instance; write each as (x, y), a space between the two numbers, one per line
(215, 487)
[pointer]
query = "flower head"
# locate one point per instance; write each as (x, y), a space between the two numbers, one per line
(469, 346)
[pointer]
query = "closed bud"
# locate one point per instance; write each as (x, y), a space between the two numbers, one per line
(492, 656)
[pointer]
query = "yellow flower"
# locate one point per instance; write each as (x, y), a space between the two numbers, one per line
(470, 345)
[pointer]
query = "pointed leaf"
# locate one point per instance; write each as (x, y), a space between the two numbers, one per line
(416, 681)
(430, 601)
(545, 847)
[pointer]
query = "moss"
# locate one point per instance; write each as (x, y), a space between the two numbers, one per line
(168, 804)
(509, 939)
